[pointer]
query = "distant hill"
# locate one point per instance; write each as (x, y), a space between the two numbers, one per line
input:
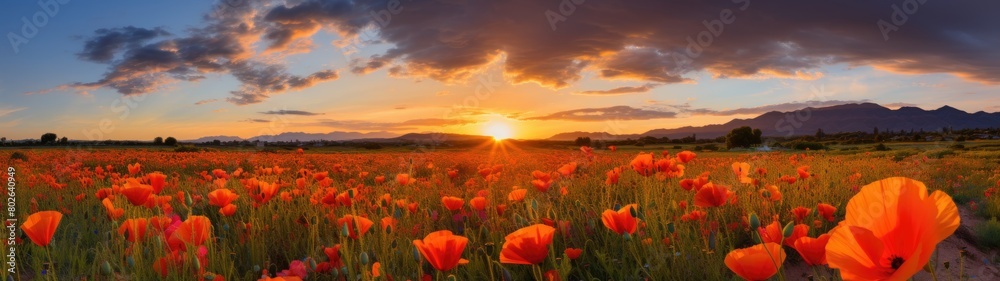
(439, 137)
(863, 117)
(301, 136)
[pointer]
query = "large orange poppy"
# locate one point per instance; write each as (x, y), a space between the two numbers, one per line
(356, 226)
(192, 232)
(133, 229)
(621, 221)
(442, 249)
(452, 203)
(136, 192)
(221, 197)
(711, 195)
(41, 226)
(890, 230)
(812, 250)
(758, 262)
(528, 245)
(643, 164)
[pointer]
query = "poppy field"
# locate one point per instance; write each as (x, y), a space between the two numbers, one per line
(514, 214)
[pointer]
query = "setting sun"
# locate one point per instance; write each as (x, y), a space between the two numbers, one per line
(498, 130)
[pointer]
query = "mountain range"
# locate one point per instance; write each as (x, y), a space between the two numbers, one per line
(855, 117)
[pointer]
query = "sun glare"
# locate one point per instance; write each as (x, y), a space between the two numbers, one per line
(498, 130)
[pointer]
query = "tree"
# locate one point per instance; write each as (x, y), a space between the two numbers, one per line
(583, 141)
(63, 140)
(49, 138)
(170, 141)
(158, 141)
(820, 134)
(743, 137)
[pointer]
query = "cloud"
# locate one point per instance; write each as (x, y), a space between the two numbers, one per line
(651, 40)
(393, 126)
(201, 102)
(290, 112)
(620, 90)
(7, 111)
(142, 61)
(899, 104)
(608, 113)
(251, 120)
(442, 93)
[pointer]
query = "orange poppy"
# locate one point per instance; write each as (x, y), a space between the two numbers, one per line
(136, 192)
(803, 172)
(528, 245)
(478, 203)
(442, 249)
(613, 176)
(758, 262)
(890, 230)
(826, 211)
(771, 192)
(452, 203)
(812, 250)
(133, 229)
(573, 253)
(711, 195)
(228, 210)
(192, 232)
(668, 168)
(643, 164)
(221, 197)
(517, 195)
(771, 233)
(389, 222)
(800, 213)
(356, 226)
(621, 221)
(567, 169)
(798, 231)
(157, 180)
(134, 168)
(41, 226)
(113, 213)
(686, 156)
(404, 179)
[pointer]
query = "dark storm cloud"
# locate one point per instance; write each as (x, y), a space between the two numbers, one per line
(649, 40)
(290, 112)
(608, 113)
(553, 43)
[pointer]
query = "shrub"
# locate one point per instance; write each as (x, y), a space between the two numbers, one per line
(939, 153)
(882, 147)
(187, 148)
(988, 233)
(711, 147)
(807, 145)
(17, 155)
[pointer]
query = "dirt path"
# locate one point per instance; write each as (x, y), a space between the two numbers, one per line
(975, 262)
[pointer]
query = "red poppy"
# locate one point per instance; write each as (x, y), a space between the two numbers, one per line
(573, 253)
(157, 180)
(136, 192)
(517, 195)
(452, 203)
(686, 156)
(133, 229)
(826, 211)
(812, 250)
(643, 164)
(528, 245)
(621, 221)
(711, 195)
(759, 262)
(228, 210)
(221, 197)
(356, 226)
(800, 213)
(442, 249)
(478, 203)
(192, 232)
(803, 172)
(41, 226)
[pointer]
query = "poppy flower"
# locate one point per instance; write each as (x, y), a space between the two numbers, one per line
(772, 233)
(333, 256)
(221, 197)
(192, 232)
(668, 168)
(711, 195)
(113, 213)
(404, 179)
(356, 226)
(758, 262)
(686, 156)
(541, 186)
(478, 203)
(442, 249)
(452, 203)
(528, 245)
(800, 213)
(896, 241)
(517, 195)
(613, 176)
(133, 229)
(771, 193)
(621, 221)
(812, 250)
(742, 171)
(789, 179)
(228, 210)
(643, 164)
(41, 226)
(389, 222)
(798, 231)
(136, 192)
(826, 211)
(134, 168)
(803, 172)
(567, 169)
(573, 253)
(157, 180)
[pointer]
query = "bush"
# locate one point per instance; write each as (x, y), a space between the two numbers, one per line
(807, 145)
(187, 148)
(711, 147)
(17, 155)
(882, 147)
(939, 153)
(171, 141)
(371, 146)
(988, 233)
(697, 148)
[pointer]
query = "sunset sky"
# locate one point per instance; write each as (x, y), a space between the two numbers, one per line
(193, 68)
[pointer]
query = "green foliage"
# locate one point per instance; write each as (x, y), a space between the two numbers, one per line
(803, 145)
(48, 138)
(743, 137)
(939, 153)
(882, 147)
(988, 233)
(171, 141)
